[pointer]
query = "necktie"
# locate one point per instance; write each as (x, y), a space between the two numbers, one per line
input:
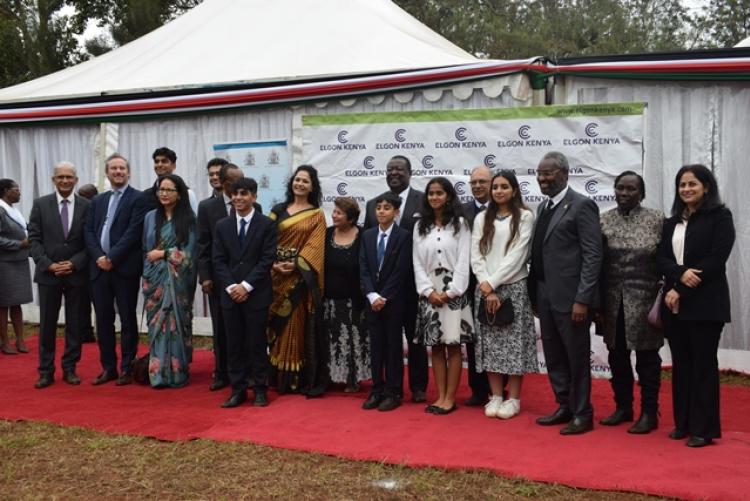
(111, 212)
(550, 204)
(381, 250)
(482, 207)
(64, 217)
(243, 223)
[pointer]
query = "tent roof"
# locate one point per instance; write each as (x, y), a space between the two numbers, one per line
(223, 42)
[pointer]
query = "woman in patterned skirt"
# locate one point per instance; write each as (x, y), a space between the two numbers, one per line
(441, 249)
(500, 247)
(349, 343)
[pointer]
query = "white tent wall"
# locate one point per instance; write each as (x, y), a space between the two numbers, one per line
(692, 122)
(192, 137)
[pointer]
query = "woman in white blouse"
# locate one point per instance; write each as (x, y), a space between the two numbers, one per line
(500, 247)
(441, 272)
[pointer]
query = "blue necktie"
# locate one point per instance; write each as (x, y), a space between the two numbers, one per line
(381, 250)
(111, 211)
(243, 223)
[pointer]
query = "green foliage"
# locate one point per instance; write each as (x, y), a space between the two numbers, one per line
(723, 23)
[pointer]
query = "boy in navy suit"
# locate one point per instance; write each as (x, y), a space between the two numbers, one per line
(384, 261)
(244, 248)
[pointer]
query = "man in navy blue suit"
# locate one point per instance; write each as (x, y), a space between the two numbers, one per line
(113, 238)
(244, 249)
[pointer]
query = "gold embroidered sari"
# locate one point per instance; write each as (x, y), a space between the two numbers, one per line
(297, 307)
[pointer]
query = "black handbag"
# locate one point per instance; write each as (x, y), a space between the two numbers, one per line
(503, 316)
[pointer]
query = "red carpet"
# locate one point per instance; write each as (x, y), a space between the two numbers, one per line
(607, 458)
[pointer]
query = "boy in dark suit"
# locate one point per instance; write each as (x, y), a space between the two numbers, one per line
(384, 264)
(244, 248)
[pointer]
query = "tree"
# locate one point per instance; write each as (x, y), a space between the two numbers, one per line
(723, 23)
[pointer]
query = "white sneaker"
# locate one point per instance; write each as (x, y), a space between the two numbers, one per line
(509, 408)
(493, 406)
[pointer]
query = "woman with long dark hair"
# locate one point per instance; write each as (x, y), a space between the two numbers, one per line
(500, 247)
(695, 245)
(15, 273)
(629, 285)
(295, 330)
(169, 280)
(441, 250)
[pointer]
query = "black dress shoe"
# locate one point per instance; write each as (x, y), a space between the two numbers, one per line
(418, 396)
(389, 403)
(439, 411)
(104, 377)
(475, 401)
(645, 424)
(44, 381)
(125, 378)
(372, 402)
(260, 400)
(677, 434)
(430, 409)
(577, 426)
(235, 400)
(218, 384)
(617, 417)
(70, 377)
(698, 442)
(560, 416)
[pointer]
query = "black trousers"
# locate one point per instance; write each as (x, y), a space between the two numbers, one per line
(218, 329)
(247, 348)
(567, 352)
(647, 365)
(109, 288)
(695, 376)
(87, 329)
(386, 352)
(50, 300)
(416, 352)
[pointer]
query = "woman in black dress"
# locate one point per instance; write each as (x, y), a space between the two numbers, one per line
(349, 361)
(695, 245)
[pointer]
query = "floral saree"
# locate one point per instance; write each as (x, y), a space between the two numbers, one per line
(168, 289)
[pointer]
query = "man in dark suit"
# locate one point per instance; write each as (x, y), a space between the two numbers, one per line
(211, 211)
(114, 229)
(398, 176)
(480, 180)
(384, 261)
(244, 249)
(87, 191)
(566, 257)
(165, 162)
(59, 252)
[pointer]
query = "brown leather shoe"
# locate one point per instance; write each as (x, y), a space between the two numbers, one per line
(104, 377)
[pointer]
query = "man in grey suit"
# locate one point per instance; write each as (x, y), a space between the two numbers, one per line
(398, 176)
(566, 257)
(58, 248)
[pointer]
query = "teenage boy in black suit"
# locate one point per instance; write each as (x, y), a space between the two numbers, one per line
(384, 264)
(244, 248)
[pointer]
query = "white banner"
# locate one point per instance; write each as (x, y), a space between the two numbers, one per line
(600, 141)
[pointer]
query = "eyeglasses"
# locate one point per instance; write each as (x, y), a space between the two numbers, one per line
(166, 191)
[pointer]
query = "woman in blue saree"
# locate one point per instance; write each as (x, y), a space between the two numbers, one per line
(169, 279)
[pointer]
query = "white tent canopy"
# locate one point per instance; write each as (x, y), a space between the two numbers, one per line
(744, 43)
(228, 41)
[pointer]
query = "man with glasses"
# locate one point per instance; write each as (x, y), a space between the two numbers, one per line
(566, 257)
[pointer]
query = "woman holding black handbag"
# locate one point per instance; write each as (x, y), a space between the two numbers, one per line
(500, 247)
(695, 245)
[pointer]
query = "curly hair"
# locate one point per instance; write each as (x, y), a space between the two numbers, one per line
(452, 210)
(315, 197)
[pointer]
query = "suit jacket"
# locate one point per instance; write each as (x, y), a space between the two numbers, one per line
(409, 211)
(251, 261)
(124, 236)
(572, 250)
(391, 281)
(708, 242)
(470, 212)
(11, 235)
(48, 245)
(210, 211)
